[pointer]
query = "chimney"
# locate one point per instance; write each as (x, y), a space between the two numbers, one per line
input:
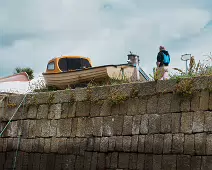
(133, 59)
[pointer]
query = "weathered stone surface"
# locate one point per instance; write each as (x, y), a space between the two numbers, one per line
(185, 105)
(189, 144)
(127, 126)
(166, 123)
(136, 124)
(176, 119)
(157, 162)
(208, 120)
(76, 146)
(146, 89)
(200, 142)
(169, 162)
(99, 93)
(118, 125)
(98, 128)
(183, 162)
(144, 124)
(134, 143)
(81, 94)
(114, 160)
(53, 128)
(78, 163)
(175, 103)
(152, 105)
(9, 144)
(198, 122)
(94, 161)
(164, 103)
(186, 122)
(141, 143)
(47, 145)
(71, 110)
(65, 110)
(55, 111)
(178, 142)
(126, 143)
(25, 128)
(54, 144)
(108, 123)
(158, 144)
(62, 145)
(61, 96)
(209, 144)
(196, 162)
(133, 161)
(154, 123)
(97, 144)
(140, 161)
(12, 129)
(210, 101)
(74, 127)
(45, 128)
(115, 109)
(195, 101)
(132, 106)
(111, 143)
(83, 108)
(70, 145)
(119, 143)
(95, 109)
(69, 161)
(206, 163)
(167, 144)
(165, 86)
(122, 90)
(43, 111)
(204, 100)
(90, 146)
(107, 160)
(123, 107)
(101, 161)
(106, 108)
(2, 160)
(142, 105)
(200, 82)
(64, 127)
(149, 139)
(83, 145)
(35, 145)
(148, 162)
(41, 145)
(32, 112)
(81, 125)
(89, 127)
(104, 144)
(124, 160)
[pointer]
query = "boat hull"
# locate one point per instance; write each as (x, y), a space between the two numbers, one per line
(23, 77)
(96, 74)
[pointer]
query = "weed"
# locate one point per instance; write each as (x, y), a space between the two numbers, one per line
(184, 87)
(51, 98)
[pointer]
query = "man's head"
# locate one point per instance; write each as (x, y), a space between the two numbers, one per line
(161, 48)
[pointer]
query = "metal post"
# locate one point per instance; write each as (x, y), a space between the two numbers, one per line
(185, 58)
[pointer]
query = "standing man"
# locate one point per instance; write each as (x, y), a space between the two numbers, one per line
(163, 60)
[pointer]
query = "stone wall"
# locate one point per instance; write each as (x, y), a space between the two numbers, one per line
(143, 126)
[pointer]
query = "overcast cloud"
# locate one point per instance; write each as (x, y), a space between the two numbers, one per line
(33, 32)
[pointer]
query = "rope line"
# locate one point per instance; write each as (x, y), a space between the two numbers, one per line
(13, 116)
(19, 136)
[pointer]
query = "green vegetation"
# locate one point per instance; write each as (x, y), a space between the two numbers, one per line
(28, 70)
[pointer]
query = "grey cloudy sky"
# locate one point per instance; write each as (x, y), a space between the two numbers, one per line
(33, 32)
